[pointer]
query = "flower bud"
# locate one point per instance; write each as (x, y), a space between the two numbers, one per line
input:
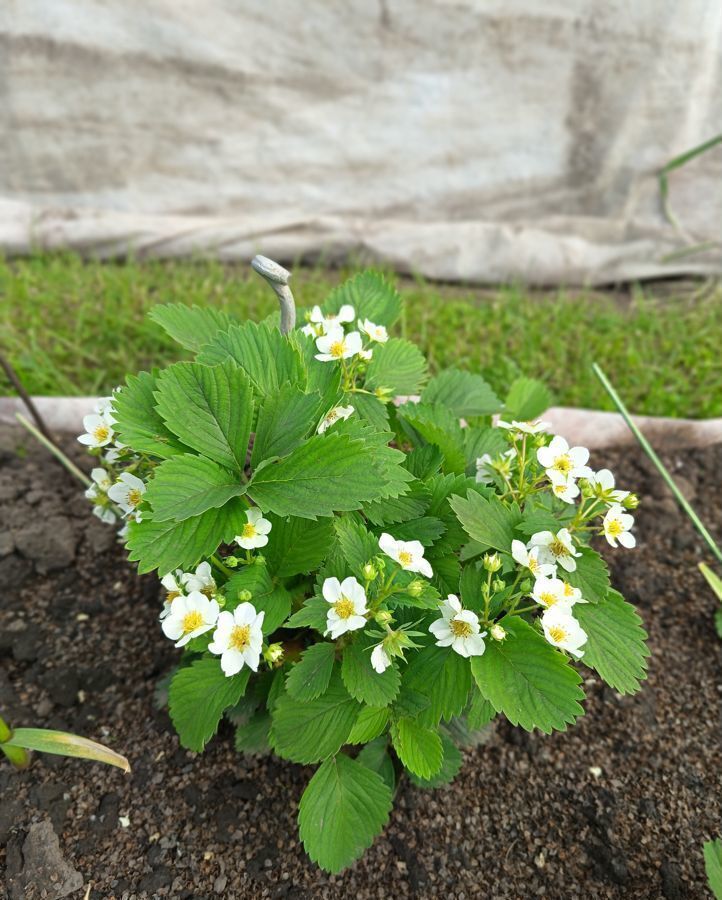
(631, 501)
(273, 654)
(231, 562)
(498, 585)
(220, 600)
(369, 571)
(492, 563)
(416, 588)
(260, 560)
(244, 596)
(383, 617)
(497, 632)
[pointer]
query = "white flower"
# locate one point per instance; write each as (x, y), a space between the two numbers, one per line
(458, 628)
(104, 514)
(572, 595)
(408, 554)
(348, 605)
(366, 354)
(616, 525)
(127, 492)
(333, 415)
(562, 630)
(201, 580)
(497, 632)
(112, 454)
(189, 617)
(567, 461)
(380, 660)
(238, 639)
(529, 559)
(376, 332)
(104, 407)
(603, 482)
(487, 467)
(550, 592)
(173, 584)
(564, 488)
(102, 478)
(335, 345)
(556, 548)
(331, 320)
(526, 427)
(98, 431)
(255, 530)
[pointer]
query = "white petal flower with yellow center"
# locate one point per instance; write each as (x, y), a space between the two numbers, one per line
(238, 639)
(550, 592)
(336, 345)
(201, 580)
(568, 461)
(380, 660)
(189, 617)
(563, 488)
(458, 628)
(98, 431)
(603, 484)
(333, 415)
(488, 466)
(616, 525)
(375, 332)
(562, 630)
(127, 492)
(102, 478)
(556, 548)
(366, 354)
(348, 605)
(529, 559)
(255, 531)
(572, 595)
(105, 515)
(173, 584)
(408, 554)
(534, 427)
(333, 320)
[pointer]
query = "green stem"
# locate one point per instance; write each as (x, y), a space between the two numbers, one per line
(518, 612)
(216, 560)
(661, 468)
(55, 450)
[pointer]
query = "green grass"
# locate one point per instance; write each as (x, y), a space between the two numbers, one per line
(74, 327)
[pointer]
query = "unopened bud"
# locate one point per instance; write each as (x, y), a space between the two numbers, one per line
(231, 562)
(220, 600)
(369, 571)
(631, 501)
(244, 596)
(497, 632)
(383, 617)
(260, 560)
(273, 654)
(492, 563)
(497, 585)
(416, 588)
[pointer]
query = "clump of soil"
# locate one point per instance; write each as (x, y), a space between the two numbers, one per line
(617, 807)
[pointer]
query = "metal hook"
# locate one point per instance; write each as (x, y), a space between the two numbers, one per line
(278, 278)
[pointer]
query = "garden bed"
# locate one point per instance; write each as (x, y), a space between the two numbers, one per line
(618, 807)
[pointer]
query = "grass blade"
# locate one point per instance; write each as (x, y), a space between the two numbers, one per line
(60, 743)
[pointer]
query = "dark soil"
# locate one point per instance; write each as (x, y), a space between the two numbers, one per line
(528, 816)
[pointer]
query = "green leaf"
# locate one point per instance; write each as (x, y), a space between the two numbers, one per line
(436, 425)
(61, 743)
(138, 423)
(591, 575)
(426, 529)
(418, 748)
(423, 462)
(285, 418)
(487, 520)
(199, 695)
(444, 678)
(712, 579)
(527, 399)
(269, 358)
(187, 486)
(363, 683)
(274, 600)
(371, 296)
(310, 676)
(171, 545)
(399, 509)
(478, 441)
(312, 614)
(357, 544)
(528, 680)
(480, 711)
(370, 409)
(209, 408)
(329, 473)
(375, 757)
(397, 366)
(370, 723)
(464, 394)
(190, 326)
(297, 546)
(713, 866)
(449, 767)
(252, 737)
(311, 731)
(615, 645)
(343, 809)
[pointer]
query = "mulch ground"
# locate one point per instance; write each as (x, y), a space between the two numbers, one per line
(528, 816)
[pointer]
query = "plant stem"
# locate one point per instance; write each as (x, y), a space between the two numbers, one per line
(661, 468)
(216, 560)
(55, 450)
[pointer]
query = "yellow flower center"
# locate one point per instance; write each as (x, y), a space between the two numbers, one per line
(547, 599)
(568, 590)
(337, 349)
(344, 608)
(249, 530)
(332, 416)
(171, 595)
(533, 564)
(460, 628)
(614, 528)
(101, 433)
(405, 558)
(563, 464)
(557, 633)
(135, 497)
(209, 591)
(558, 548)
(240, 637)
(191, 621)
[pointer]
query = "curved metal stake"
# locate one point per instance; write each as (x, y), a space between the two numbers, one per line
(278, 278)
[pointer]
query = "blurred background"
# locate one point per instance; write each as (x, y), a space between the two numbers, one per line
(545, 178)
